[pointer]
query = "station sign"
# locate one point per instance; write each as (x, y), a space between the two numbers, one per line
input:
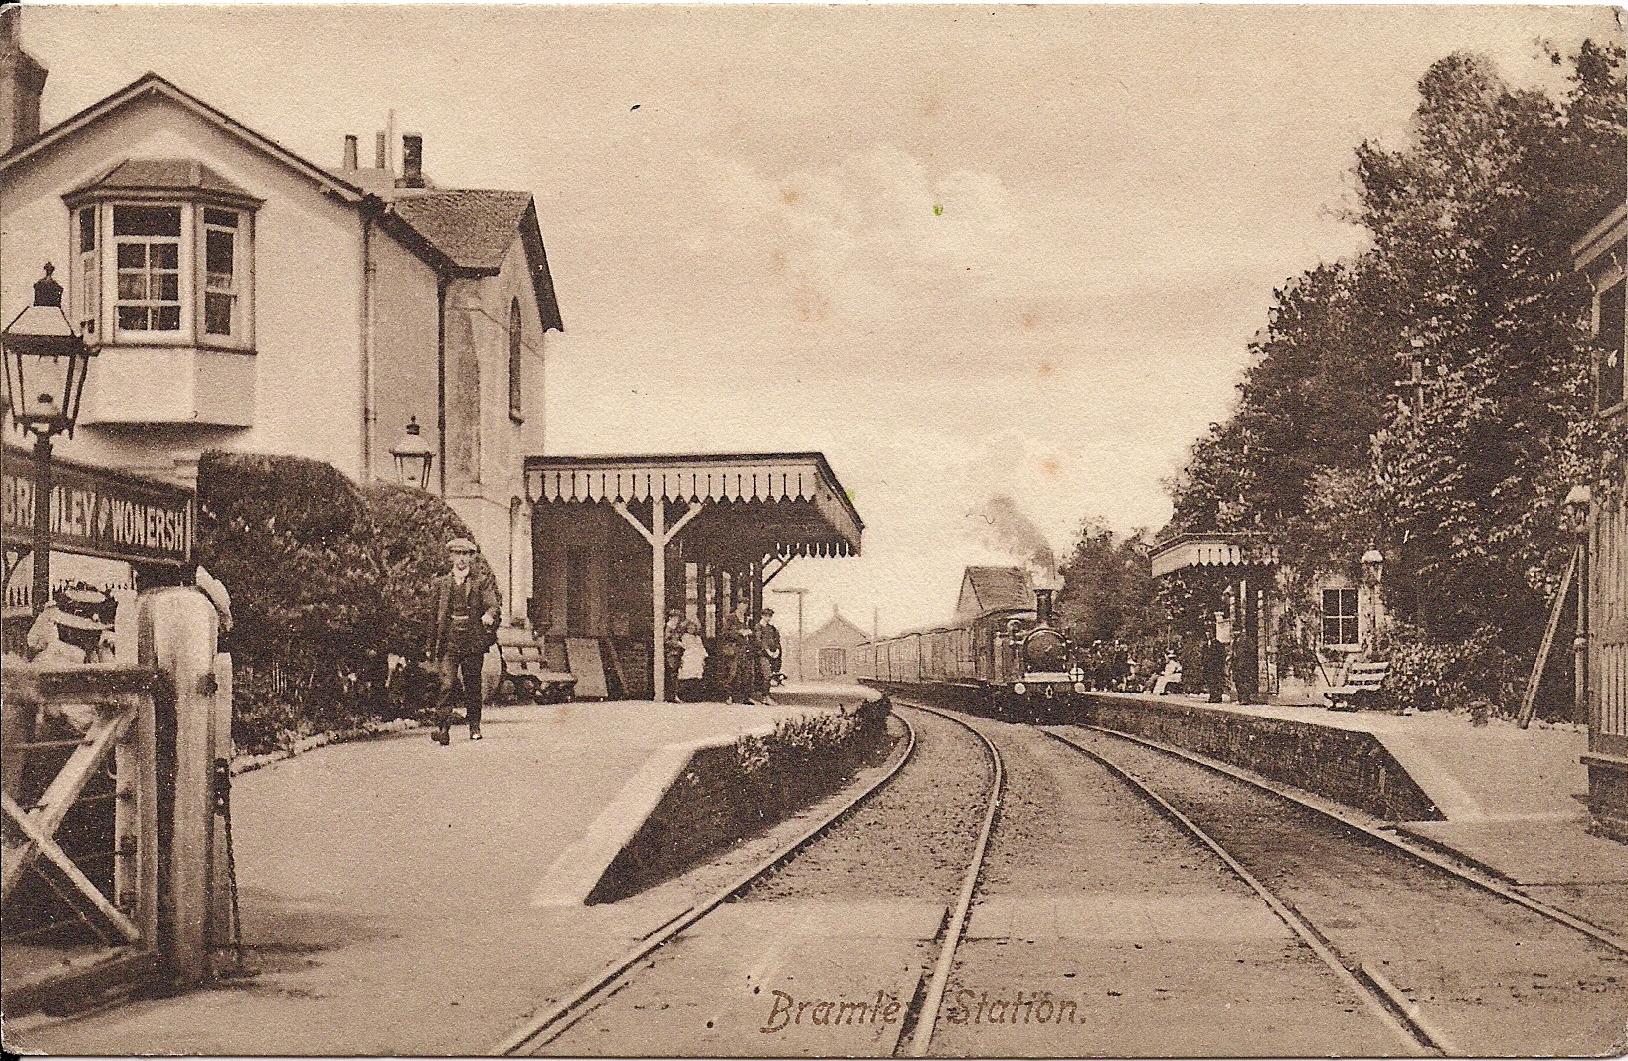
(97, 512)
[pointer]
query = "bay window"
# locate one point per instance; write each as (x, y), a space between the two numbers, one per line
(177, 271)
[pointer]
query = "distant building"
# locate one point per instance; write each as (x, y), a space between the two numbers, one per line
(1602, 254)
(245, 298)
(986, 589)
(827, 653)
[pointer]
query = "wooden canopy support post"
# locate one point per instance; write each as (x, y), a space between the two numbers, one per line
(658, 534)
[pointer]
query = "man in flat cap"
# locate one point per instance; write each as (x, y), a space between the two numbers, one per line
(467, 609)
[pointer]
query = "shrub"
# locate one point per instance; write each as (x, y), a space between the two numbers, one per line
(327, 580)
(1451, 674)
(730, 793)
(290, 539)
(410, 531)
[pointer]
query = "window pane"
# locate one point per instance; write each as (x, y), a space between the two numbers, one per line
(133, 318)
(167, 319)
(218, 247)
(146, 220)
(132, 285)
(224, 218)
(166, 255)
(87, 229)
(132, 255)
(218, 313)
(167, 287)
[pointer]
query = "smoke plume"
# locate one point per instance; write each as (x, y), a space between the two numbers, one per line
(1009, 531)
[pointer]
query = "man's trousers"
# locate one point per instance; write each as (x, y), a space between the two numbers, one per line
(460, 686)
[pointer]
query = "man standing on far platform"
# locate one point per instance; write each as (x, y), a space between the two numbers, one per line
(467, 609)
(768, 649)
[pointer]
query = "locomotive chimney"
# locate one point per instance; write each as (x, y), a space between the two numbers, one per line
(1042, 604)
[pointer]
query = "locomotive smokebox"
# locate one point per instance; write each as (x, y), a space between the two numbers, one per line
(1042, 605)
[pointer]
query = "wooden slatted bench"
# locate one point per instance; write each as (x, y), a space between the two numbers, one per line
(531, 673)
(1362, 684)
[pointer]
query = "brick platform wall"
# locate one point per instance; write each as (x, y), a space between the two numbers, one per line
(710, 807)
(1343, 765)
(1608, 795)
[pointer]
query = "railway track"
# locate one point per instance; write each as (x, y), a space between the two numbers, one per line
(1361, 985)
(1466, 965)
(1468, 874)
(1401, 1028)
(553, 1029)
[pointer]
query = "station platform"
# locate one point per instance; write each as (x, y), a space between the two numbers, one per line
(403, 898)
(1513, 800)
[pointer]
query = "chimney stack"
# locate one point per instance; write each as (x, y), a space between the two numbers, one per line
(1042, 605)
(412, 160)
(350, 151)
(22, 83)
(381, 159)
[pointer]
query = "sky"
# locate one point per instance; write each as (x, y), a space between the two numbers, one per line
(970, 253)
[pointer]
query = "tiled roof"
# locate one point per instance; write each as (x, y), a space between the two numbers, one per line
(163, 174)
(473, 227)
(1001, 587)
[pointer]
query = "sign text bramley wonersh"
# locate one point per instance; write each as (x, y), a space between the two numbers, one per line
(98, 512)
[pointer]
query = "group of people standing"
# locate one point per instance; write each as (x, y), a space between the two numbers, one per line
(741, 667)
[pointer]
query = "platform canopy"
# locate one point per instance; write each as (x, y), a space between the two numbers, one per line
(784, 504)
(750, 513)
(1237, 549)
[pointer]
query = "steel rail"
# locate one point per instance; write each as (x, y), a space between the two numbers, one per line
(927, 1020)
(541, 1030)
(1446, 865)
(1408, 1032)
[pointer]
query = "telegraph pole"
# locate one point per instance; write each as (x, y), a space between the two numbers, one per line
(800, 593)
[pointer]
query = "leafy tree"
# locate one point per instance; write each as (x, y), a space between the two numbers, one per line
(1459, 481)
(1107, 589)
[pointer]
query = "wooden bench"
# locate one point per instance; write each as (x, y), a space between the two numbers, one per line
(1362, 684)
(530, 672)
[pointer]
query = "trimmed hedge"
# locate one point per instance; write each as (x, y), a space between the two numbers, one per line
(327, 580)
(730, 793)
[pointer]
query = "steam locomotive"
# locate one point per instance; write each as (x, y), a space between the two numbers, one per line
(1007, 661)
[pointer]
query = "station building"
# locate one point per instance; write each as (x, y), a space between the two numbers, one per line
(1243, 594)
(247, 299)
(1601, 255)
(829, 653)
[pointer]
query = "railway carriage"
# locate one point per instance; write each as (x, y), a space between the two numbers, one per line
(1008, 660)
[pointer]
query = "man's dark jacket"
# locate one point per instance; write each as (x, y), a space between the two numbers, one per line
(483, 600)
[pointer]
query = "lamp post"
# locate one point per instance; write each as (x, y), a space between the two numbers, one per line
(801, 648)
(413, 456)
(1373, 566)
(46, 361)
(1578, 501)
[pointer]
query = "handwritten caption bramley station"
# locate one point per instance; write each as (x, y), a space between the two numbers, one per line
(963, 1007)
(97, 512)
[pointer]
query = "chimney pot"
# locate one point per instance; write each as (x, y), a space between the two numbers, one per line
(350, 151)
(412, 160)
(381, 159)
(23, 79)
